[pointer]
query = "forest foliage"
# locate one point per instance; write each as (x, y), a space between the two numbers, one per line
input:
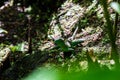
(46, 39)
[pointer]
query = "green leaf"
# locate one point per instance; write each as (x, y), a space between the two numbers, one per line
(2, 30)
(13, 48)
(76, 42)
(115, 6)
(28, 9)
(60, 43)
(20, 47)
